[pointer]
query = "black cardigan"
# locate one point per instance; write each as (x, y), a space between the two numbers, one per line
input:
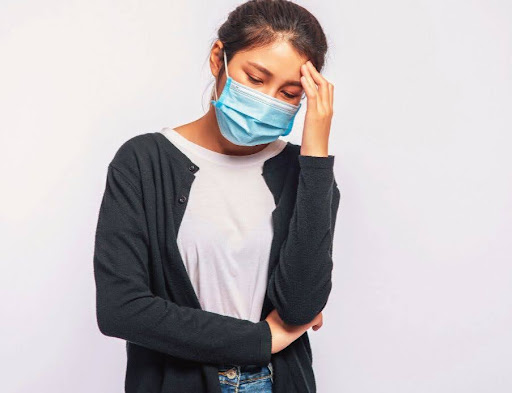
(144, 294)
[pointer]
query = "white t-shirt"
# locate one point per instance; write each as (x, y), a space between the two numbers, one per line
(226, 232)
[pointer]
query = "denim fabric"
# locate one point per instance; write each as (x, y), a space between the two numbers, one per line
(246, 379)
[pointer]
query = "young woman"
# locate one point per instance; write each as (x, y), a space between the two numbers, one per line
(213, 252)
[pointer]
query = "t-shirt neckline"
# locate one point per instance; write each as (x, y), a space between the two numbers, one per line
(259, 157)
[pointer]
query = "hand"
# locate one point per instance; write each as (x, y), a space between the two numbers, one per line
(317, 123)
(284, 334)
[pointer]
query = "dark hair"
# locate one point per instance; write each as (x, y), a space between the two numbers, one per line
(257, 23)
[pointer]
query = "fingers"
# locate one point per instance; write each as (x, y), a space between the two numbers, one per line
(318, 326)
(323, 95)
(320, 322)
(308, 85)
(323, 85)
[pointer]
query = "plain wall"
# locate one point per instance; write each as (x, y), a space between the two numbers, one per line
(422, 297)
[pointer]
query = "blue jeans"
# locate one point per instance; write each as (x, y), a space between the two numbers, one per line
(246, 379)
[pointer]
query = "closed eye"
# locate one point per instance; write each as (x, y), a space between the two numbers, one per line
(254, 80)
(287, 95)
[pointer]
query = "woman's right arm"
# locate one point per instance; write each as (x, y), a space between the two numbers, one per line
(284, 334)
(127, 309)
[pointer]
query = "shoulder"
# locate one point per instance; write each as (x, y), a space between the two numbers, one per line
(135, 155)
(134, 150)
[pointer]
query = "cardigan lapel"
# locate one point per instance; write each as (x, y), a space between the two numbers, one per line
(181, 171)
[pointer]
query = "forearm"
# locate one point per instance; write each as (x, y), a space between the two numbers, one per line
(182, 332)
(301, 281)
(127, 309)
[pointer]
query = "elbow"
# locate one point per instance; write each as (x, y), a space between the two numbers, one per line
(303, 309)
(103, 323)
(106, 321)
(297, 316)
(300, 290)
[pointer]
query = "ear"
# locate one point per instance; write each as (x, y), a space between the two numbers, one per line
(216, 58)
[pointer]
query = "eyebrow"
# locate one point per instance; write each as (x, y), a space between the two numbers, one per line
(267, 72)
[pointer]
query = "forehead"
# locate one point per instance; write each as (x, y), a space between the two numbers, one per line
(280, 58)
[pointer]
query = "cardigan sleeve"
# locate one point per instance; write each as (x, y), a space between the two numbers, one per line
(300, 283)
(127, 309)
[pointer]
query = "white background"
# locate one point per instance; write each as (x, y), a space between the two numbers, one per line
(422, 298)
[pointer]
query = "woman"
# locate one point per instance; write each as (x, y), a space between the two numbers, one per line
(213, 252)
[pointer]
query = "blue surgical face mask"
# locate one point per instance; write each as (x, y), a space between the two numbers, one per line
(249, 117)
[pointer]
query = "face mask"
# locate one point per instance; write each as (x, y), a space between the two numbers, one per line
(249, 117)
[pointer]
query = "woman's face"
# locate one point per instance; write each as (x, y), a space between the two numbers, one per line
(273, 70)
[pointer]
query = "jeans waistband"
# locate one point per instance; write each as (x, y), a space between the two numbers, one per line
(245, 368)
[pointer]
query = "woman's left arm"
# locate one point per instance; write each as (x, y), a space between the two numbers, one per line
(300, 284)
(301, 281)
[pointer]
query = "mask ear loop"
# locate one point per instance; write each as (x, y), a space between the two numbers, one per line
(227, 75)
(226, 64)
